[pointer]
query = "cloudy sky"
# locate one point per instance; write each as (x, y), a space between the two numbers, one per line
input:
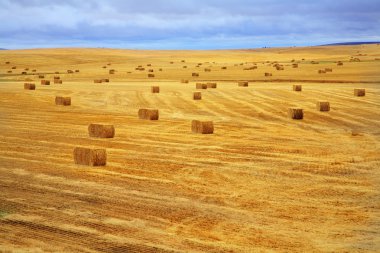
(186, 24)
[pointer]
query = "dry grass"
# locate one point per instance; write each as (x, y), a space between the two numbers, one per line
(260, 183)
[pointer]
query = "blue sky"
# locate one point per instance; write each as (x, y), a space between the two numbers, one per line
(186, 24)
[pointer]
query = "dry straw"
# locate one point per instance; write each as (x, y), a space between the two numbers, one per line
(45, 82)
(150, 75)
(90, 157)
(295, 113)
(211, 85)
(148, 114)
(101, 131)
(201, 86)
(202, 127)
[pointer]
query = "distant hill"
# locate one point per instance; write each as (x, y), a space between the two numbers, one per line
(351, 43)
(3, 49)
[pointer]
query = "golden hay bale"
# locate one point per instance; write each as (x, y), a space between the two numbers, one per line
(29, 86)
(297, 87)
(57, 81)
(250, 68)
(201, 86)
(339, 63)
(160, 69)
(184, 81)
(314, 62)
(26, 69)
(223, 67)
(41, 76)
(150, 75)
(70, 71)
(9, 71)
(57, 77)
(295, 113)
(109, 64)
(90, 157)
(56, 72)
(104, 67)
(211, 85)
(7, 62)
(207, 70)
(45, 82)
(101, 131)
(149, 114)
(105, 80)
(23, 73)
(328, 69)
(267, 74)
(183, 61)
(34, 70)
(195, 74)
(98, 81)
(323, 106)
(111, 71)
(77, 71)
(185, 67)
(295, 65)
(151, 70)
(202, 127)
(155, 89)
(197, 95)
(359, 92)
(321, 71)
(243, 84)
(14, 67)
(62, 100)
(149, 64)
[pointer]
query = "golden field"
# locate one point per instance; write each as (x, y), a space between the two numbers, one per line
(262, 182)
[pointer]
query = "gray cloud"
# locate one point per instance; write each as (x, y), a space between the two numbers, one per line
(186, 24)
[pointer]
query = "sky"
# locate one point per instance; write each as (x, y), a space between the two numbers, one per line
(186, 24)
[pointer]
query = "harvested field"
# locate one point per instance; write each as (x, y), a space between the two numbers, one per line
(261, 182)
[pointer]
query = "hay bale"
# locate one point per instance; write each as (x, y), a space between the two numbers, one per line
(26, 69)
(104, 67)
(109, 64)
(185, 67)
(77, 71)
(339, 63)
(267, 74)
(155, 89)
(328, 69)
(9, 71)
(184, 81)
(183, 61)
(243, 84)
(150, 75)
(14, 67)
(295, 113)
(151, 70)
(148, 114)
(23, 73)
(70, 71)
(34, 70)
(195, 74)
(314, 62)
(224, 68)
(202, 127)
(57, 77)
(359, 92)
(295, 65)
(211, 85)
(197, 95)
(207, 70)
(90, 157)
(160, 69)
(321, 71)
(105, 80)
(297, 87)
(66, 101)
(111, 71)
(323, 106)
(98, 81)
(7, 62)
(101, 131)
(41, 76)
(56, 72)
(57, 81)
(171, 62)
(201, 86)
(29, 86)
(149, 64)
(45, 82)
